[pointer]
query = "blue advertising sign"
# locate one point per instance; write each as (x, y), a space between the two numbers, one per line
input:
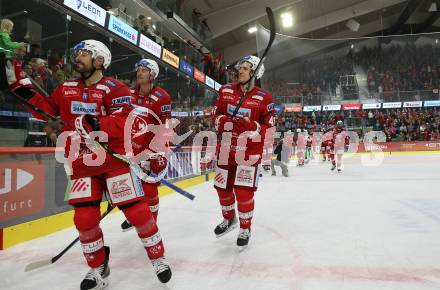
(434, 103)
(186, 68)
(122, 29)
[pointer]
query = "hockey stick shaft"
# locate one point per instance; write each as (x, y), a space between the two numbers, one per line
(46, 262)
(269, 45)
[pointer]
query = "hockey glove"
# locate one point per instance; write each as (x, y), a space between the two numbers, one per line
(220, 123)
(85, 124)
(244, 124)
(24, 92)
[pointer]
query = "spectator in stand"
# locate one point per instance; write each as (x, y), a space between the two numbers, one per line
(7, 48)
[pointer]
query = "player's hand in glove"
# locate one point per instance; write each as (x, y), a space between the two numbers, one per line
(158, 165)
(24, 91)
(221, 123)
(244, 124)
(85, 124)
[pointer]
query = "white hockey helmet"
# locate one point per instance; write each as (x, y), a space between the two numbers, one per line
(339, 123)
(298, 130)
(96, 48)
(253, 60)
(150, 64)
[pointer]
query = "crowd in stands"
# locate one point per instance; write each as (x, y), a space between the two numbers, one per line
(397, 124)
(388, 71)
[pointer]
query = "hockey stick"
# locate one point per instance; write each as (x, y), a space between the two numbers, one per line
(138, 170)
(272, 28)
(46, 262)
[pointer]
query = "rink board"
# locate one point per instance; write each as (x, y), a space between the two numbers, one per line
(16, 234)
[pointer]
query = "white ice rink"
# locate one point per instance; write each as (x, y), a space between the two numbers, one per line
(368, 228)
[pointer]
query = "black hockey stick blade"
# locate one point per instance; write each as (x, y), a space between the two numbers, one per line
(272, 29)
(42, 263)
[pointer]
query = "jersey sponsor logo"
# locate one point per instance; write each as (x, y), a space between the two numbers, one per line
(70, 92)
(70, 84)
(159, 94)
(221, 178)
(242, 112)
(154, 98)
(81, 108)
(228, 91)
(110, 83)
(103, 88)
(245, 176)
(94, 94)
(166, 108)
(81, 187)
(122, 100)
(121, 188)
(271, 107)
(227, 97)
(257, 97)
(252, 103)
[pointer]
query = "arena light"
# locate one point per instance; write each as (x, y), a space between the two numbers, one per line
(433, 7)
(252, 29)
(287, 19)
(148, 18)
(353, 25)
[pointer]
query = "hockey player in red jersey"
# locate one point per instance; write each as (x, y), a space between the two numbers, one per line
(97, 103)
(237, 175)
(158, 103)
(300, 146)
(339, 143)
(325, 145)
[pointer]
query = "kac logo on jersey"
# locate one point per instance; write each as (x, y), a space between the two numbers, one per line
(122, 100)
(85, 96)
(81, 108)
(271, 107)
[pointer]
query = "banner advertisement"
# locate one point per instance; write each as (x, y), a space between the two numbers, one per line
(170, 58)
(312, 108)
(433, 103)
(347, 107)
(150, 46)
(186, 68)
(209, 81)
(416, 104)
(331, 108)
(392, 105)
(371, 106)
(122, 29)
(88, 9)
(22, 191)
(198, 75)
(288, 108)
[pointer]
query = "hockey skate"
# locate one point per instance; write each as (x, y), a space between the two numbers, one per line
(333, 167)
(97, 278)
(162, 269)
(225, 227)
(339, 170)
(126, 226)
(243, 238)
